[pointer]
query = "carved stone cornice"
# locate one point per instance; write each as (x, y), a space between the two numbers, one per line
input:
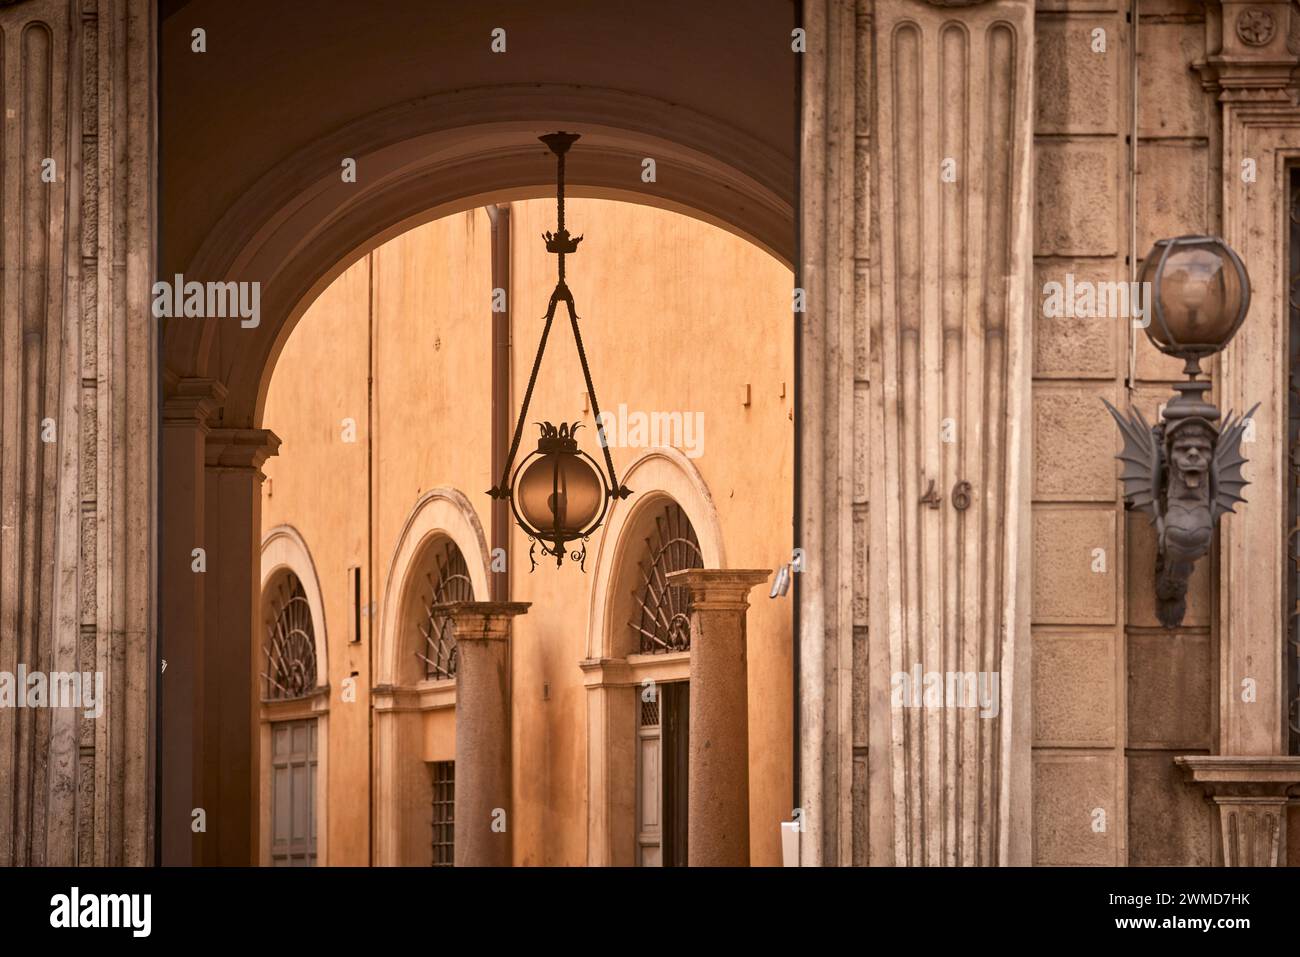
(192, 401)
(1253, 61)
(240, 448)
(1250, 794)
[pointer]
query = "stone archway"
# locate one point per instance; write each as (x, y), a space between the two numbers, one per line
(300, 226)
(281, 214)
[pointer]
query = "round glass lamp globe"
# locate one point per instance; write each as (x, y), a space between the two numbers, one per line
(1202, 291)
(560, 494)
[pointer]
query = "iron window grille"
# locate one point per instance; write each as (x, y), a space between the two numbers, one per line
(671, 546)
(448, 581)
(290, 645)
(444, 813)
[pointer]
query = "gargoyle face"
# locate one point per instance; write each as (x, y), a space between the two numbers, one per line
(1190, 454)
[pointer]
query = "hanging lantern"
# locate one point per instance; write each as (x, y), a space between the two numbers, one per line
(558, 494)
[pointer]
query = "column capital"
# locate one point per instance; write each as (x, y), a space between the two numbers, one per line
(482, 620)
(1250, 795)
(240, 448)
(192, 401)
(719, 589)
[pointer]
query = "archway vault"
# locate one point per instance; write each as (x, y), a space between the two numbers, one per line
(301, 225)
(256, 131)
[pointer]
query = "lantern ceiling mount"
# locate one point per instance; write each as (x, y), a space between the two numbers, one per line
(558, 493)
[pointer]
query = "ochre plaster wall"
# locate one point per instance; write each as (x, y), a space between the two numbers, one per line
(678, 316)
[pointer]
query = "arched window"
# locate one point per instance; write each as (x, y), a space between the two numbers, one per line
(446, 579)
(293, 681)
(289, 645)
(670, 545)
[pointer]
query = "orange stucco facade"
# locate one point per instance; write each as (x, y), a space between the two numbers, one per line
(383, 392)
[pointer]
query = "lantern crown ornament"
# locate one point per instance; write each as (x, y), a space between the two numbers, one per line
(558, 493)
(1184, 472)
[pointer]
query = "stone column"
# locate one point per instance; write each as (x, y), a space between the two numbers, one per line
(948, 464)
(483, 771)
(78, 426)
(718, 800)
(916, 362)
(186, 411)
(232, 649)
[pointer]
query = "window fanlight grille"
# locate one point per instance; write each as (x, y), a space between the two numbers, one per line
(290, 645)
(671, 546)
(448, 580)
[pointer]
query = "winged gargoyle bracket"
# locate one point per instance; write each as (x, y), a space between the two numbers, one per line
(1184, 472)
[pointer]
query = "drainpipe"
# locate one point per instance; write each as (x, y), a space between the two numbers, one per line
(797, 503)
(499, 215)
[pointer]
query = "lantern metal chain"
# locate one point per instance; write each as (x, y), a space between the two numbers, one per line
(559, 208)
(560, 243)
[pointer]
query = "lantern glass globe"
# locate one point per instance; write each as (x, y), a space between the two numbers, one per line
(560, 494)
(1201, 289)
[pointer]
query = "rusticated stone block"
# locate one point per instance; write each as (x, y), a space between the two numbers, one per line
(1152, 365)
(1075, 6)
(861, 537)
(1152, 10)
(1169, 691)
(89, 565)
(1076, 196)
(1170, 822)
(861, 442)
(861, 688)
(89, 427)
(1173, 103)
(1076, 810)
(1172, 191)
(1074, 690)
(89, 325)
(1074, 565)
(1074, 347)
(862, 200)
(1074, 445)
(862, 321)
(1078, 87)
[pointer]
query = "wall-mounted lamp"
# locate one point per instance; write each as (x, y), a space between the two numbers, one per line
(1185, 471)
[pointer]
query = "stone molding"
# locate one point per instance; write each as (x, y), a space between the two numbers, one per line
(240, 448)
(1250, 795)
(192, 401)
(1252, 60)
